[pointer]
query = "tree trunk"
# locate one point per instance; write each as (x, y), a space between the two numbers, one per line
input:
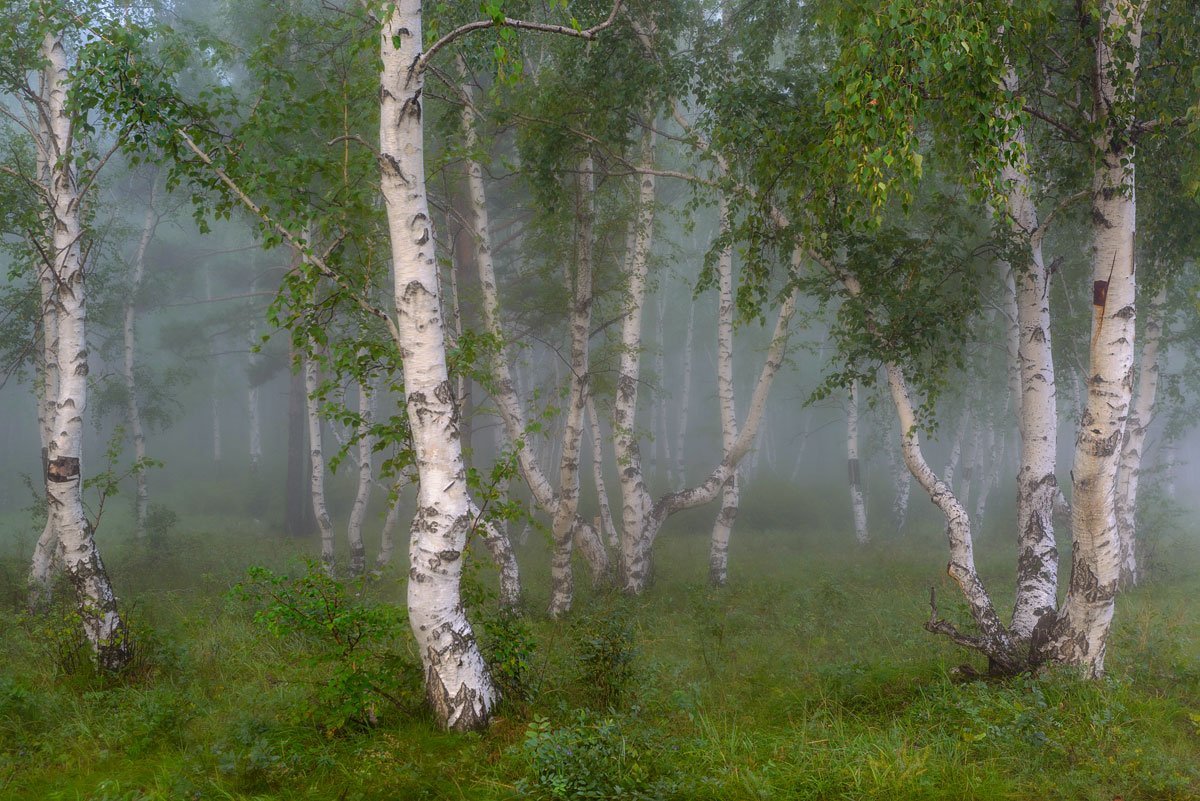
(46, 549)
(458, 685)
(298, 522)
(960, 433)
(718, 554)
(562, 506)
(686, 390)
(566, 508)
(606, 518)
(386, 542)
(1037, 414)
(1134, 443)
(362, 496)
(254, 421)
(96, 602)
(1081, 632)
(133, 413)
(902, 482)
(635, 496)
(993, 638)
(316, 452)
(861, 534)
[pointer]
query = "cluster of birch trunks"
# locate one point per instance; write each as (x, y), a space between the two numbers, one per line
(1109, 441)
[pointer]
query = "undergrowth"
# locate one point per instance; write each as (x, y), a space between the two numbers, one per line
(809, 677)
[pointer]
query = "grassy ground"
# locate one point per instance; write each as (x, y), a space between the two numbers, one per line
(809, 678)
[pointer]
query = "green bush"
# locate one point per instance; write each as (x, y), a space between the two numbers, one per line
(349, 640)
(605, 655)
(592, 758)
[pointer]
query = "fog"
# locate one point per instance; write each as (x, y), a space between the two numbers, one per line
(598, 399)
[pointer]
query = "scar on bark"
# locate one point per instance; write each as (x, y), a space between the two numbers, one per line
(62, 469)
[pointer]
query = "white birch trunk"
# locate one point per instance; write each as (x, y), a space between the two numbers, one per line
(960, 433)
(993, 639)
(861, 535)
(253, 418)
(718, 555)
(606, 518)
(46, 548)
(1134, 443)
(635, 496)
(562, 506)
(663, 463)
(458, 685)
(1081, 633)
(387, 544)
(316, 447)
(566, 508)
(133, 413)
(685, 400)
(1037, 413)
(97, 603)
(902, 485)
(362, 495)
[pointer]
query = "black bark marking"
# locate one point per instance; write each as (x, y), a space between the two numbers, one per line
(62, 469)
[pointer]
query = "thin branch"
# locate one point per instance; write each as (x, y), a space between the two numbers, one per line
(508, 22)
(299, 244)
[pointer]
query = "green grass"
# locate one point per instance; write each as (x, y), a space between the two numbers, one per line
(809, 678)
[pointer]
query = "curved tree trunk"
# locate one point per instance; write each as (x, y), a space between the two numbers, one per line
(1134, 443)
(562, 506)
(457, 682)
(993, 638)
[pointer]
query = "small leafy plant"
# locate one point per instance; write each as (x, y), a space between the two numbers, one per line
(348, 640)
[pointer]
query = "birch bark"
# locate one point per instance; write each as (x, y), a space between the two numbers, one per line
(457, 682)
(46, 548)
(1080, 633)
(1133, 446)
(861, 534)
(133, 413)
(316, 452)
(718, 556)
(362, 495)
(96, 601)
(685, 400)
(1037, 413)
(567, 526)
(606, 519)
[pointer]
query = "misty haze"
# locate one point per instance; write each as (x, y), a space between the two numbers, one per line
(599, 399)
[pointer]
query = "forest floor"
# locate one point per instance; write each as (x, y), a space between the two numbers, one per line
(810, 677)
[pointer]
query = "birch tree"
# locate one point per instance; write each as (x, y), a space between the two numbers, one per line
(66, 174)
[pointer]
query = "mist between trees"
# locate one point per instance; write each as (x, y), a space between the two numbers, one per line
(547, 285)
